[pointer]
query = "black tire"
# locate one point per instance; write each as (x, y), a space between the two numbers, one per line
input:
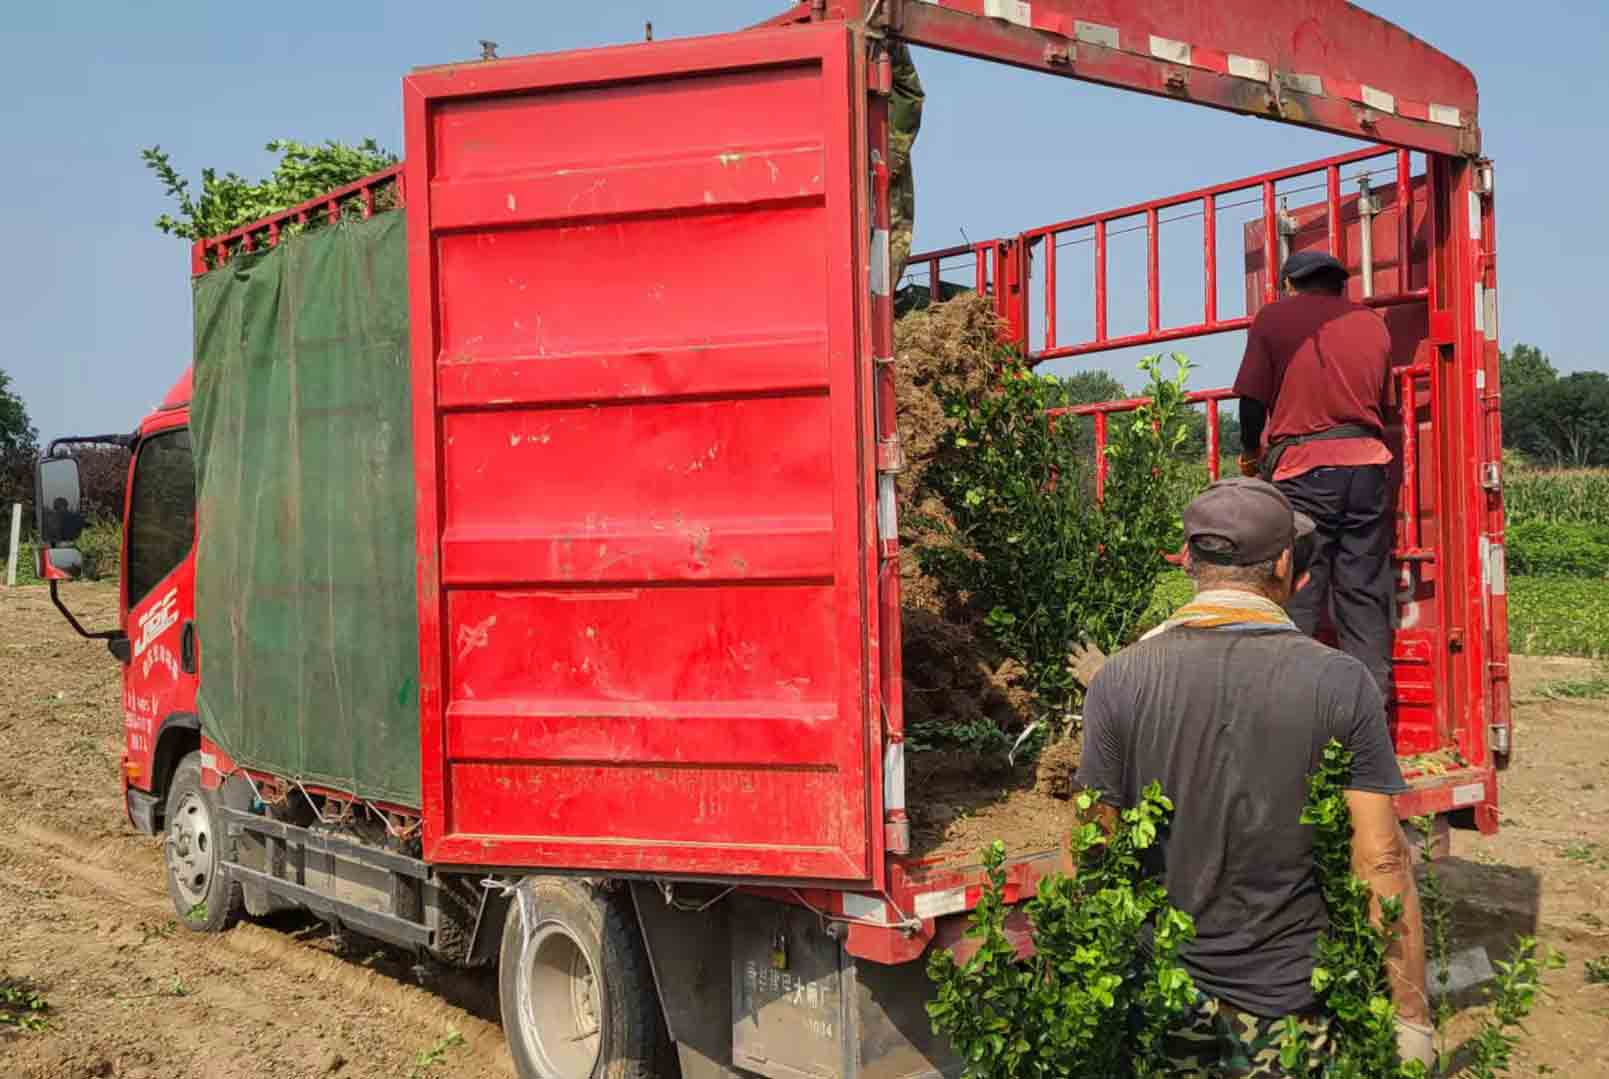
(573, 953)
(194, 846)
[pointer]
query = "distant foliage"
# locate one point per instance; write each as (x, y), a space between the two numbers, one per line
(102, 480)
(19, 445)
(1562, 422)
(1558, 548)
(1524, 367)
(1558, 521)
(1559, 616)
(226, 202)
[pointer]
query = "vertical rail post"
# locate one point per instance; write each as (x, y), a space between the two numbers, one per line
(1404, 221)
(1050, 290)
(935, 288)
(1213, 452)
(890, 460)
(1408, 408)
(1209, 241)
(1100, 456)
(1271, 243)
(1153, 272)
(1366, 212)
(1100, 280)
(16, 536)
(1332, 183)
(980, 256)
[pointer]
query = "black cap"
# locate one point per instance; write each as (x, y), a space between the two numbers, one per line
(1242, 521)
(1306, 264)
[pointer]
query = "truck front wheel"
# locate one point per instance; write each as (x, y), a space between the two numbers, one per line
(577, 995)
(193, 849)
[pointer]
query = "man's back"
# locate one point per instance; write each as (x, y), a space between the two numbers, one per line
(1319, 362)
(1231, 722)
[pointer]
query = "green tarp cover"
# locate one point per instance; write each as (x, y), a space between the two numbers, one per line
(305, 590)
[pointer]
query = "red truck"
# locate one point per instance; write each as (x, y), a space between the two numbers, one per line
(538, 542)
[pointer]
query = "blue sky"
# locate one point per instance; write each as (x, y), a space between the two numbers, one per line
(95, 302)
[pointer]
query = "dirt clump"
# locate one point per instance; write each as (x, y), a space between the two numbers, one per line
(947, 347)
(953, 674)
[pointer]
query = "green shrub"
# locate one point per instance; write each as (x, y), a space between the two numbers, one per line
(1026, 539)
(26, 565)
(303, 171)
(101, 544)
(1558, 548)
(1097, 997)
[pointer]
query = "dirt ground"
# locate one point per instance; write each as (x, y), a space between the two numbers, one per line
(86, 919)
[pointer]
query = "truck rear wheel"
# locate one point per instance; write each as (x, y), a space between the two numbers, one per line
(193, 847)
(577, 995)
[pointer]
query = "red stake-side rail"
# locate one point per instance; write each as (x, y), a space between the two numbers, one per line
(1408, 547)
(1206, 201)
(988, 259)
(264, 232)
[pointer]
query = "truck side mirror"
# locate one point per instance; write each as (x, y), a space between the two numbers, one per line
(57, 500)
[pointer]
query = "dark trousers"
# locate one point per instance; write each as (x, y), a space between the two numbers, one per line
(1351, 569)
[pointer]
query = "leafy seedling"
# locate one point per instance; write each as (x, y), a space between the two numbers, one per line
(426, 1059)
(22, 1007)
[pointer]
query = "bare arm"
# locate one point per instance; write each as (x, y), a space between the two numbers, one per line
(1383, 860)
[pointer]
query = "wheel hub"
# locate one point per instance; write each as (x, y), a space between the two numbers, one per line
(189, 849)
(559, 1005)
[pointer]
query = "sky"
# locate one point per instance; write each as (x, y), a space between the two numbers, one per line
(95, 302)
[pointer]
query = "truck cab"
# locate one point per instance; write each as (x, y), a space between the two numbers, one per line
(155, 638)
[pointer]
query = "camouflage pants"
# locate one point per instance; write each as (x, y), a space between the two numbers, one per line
(1217, 1041)
(904, 121)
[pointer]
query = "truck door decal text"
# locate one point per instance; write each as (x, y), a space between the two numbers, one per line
(162, 616)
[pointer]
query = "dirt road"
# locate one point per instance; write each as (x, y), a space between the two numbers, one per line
(84, 916)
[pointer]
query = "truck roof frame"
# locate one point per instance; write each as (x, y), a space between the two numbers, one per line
(1324, 64)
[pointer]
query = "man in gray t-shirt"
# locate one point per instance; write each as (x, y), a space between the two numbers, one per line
(1229, 707)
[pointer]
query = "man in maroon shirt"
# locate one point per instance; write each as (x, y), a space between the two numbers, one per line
(1313, 392)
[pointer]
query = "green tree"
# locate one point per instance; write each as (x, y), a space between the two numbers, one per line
(1564, 422)
(1525, 367)
(19, 445)
(17, 433)
(304, 171)
(1090, 388)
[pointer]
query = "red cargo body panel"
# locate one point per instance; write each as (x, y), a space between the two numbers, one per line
(643, 449)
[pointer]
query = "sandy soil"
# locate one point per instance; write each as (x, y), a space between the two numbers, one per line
(87, 920)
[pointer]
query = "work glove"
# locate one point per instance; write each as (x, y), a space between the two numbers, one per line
(1415, 1042)
(1251, 464)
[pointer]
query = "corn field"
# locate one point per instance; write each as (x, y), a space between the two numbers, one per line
(1571, 496)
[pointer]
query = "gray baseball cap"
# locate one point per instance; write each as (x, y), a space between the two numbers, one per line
(1241, 521)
